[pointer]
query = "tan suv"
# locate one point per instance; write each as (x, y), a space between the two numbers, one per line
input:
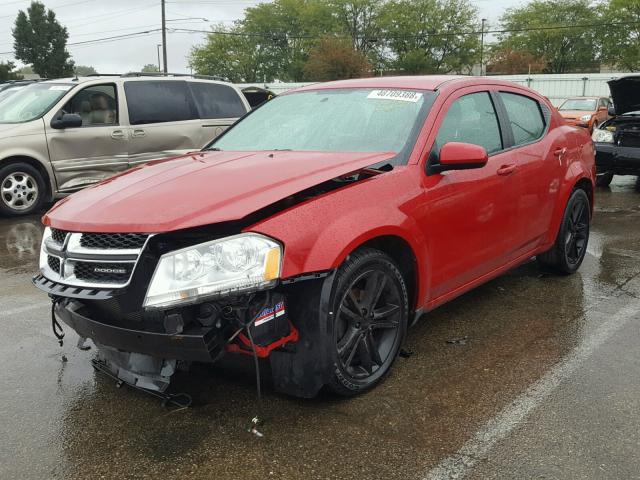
(59, 136)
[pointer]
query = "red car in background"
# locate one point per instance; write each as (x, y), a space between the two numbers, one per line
(587, 112)
(315, 230)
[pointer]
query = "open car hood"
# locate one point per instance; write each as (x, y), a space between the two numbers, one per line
(625, 93)
(200, 189)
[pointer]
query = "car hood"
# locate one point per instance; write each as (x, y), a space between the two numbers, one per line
(575, 113)
(200, 189)
(625, 93)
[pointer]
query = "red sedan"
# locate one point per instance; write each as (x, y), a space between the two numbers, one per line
(318, 228)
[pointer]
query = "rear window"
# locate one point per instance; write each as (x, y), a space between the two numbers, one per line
(158, 102)
(525, 116)
(217, 101)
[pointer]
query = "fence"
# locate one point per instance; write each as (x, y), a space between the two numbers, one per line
(556, 87)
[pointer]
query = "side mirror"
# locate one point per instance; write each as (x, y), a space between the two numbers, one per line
(611, 110)
(459, 156)
(68, 120)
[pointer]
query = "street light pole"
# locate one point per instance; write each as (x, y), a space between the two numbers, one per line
(164, 39)
(158, 50)
(482, 47)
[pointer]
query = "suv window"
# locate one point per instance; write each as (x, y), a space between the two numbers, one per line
(156, 101)
(217, 101)
(97, 105)
(525, 116)
(472, 119)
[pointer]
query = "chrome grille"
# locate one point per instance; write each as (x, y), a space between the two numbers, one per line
(58, 236)
(91, 260)
(110, 241)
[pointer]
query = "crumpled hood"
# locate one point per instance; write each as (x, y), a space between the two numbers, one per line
(199, 189)
(625, 93)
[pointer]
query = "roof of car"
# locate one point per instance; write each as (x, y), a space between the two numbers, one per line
(128, 77)
(418, 82)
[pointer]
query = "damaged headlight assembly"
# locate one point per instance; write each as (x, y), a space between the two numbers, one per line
(238, 264)
(602, 136)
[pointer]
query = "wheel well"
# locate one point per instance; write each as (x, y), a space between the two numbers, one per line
(586, 185)
(35, 164)
(402, 253)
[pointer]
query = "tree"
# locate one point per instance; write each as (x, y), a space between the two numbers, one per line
(150, 68)
(431, 36)
(621, 44)
(571, 49)
(336, 59)
(512, 62)
(41, 41)
(84, 70)
(7, 72)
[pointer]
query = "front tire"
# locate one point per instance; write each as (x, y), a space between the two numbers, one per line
(570, 247)
(22, 189)
(370, 315)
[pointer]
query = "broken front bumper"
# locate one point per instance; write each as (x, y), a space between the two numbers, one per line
(197, 344)
(617, 159)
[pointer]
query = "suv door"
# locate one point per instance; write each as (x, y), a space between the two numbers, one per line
(97, 149)
(471, 212)
(218, 105)
(163, 120)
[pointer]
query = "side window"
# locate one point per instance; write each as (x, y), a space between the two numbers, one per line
(472, 119)
(525, 117)
(604, 103)
(97, 105)
(156, 101)
(216, 101)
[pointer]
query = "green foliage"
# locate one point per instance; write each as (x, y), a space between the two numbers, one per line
(336, 59)
(41, 41)
(410, 28)
(564, 49)
(621, 43)
(150, 68)
(7, 72)
(84, 70)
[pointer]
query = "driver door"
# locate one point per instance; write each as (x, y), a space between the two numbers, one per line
(94, 151)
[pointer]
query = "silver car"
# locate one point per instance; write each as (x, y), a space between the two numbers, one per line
(59, 136)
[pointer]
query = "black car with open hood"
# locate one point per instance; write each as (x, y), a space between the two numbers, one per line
(617, 141)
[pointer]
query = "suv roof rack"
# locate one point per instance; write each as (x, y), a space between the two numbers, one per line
(162, 74)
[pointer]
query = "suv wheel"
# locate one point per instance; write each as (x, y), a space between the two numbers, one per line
(570, 246)
(21, 189)
(370, 322)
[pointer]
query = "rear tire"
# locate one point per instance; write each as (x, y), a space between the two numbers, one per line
(22, 189)
(570, 247)
(604, 179)
(371, 310)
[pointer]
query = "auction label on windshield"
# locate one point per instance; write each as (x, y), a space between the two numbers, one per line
(401, 95)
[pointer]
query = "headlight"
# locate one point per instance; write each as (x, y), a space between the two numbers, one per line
(585, 118)
(602, 136)
(241, 263)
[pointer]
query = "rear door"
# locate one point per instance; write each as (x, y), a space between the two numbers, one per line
(218, 105)
(163, 120)
(539, 157)
(472, 214)
(97, 149)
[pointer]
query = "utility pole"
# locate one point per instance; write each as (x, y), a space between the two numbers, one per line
(482, 47)
(159, 64)
(164, 39)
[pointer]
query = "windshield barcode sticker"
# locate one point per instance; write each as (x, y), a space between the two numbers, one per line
(400, 95)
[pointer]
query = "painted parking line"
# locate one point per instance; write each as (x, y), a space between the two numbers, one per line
(25, 308)
(498, 428)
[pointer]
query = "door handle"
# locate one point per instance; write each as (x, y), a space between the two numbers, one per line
(117, 134)
(507, 169)
(138, 133)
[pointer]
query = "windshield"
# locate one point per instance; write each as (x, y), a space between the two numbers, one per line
(345, 120)
(31, 102)
(586, 104)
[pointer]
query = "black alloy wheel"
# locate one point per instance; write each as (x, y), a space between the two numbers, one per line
(570, 246)
(370, 320)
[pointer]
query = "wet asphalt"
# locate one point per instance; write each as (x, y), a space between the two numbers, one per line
(529, 376)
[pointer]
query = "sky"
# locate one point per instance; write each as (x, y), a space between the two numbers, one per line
(97, 19)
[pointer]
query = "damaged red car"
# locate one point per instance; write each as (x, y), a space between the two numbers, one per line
(318, 228)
